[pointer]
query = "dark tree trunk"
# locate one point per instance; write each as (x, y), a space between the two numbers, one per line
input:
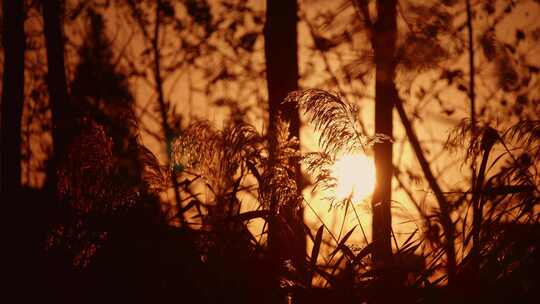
(384, 45)
(56, 82)
(56, 77)
(281, 53)
(12, 95)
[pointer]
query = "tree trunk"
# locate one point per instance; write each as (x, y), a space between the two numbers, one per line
(56, 82)
(12, 95)
(384, 45)
(281, 53)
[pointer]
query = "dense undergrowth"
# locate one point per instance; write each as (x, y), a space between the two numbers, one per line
(106, 236)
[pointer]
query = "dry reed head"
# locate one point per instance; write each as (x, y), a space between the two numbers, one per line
(219, 155)
(338, 122)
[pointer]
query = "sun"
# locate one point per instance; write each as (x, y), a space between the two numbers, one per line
(355, 175)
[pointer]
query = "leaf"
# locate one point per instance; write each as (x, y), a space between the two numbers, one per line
(328, 277)
(342, 242)
(520, 35)
(315, 253)
(76, 11)
(146, 52)
(363, 253)
(249, 215)
(406, 243)
(462, 88)
(307, 230)
(190, 205)
(489, 45)
(323, 44)
(533, 69)
(410, 249)
(509, 189)
(167, 9)
(247, 41)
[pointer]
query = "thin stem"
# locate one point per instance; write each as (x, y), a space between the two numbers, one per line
(163, 107)
(472, 93)
(360, 224)
(444, 205)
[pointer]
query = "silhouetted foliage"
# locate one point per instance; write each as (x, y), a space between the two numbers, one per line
(174, 166)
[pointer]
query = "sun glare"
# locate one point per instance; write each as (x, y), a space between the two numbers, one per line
(355, 175)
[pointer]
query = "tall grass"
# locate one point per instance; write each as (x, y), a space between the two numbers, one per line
(231, 191)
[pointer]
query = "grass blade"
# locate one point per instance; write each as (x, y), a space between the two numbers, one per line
(315, 253)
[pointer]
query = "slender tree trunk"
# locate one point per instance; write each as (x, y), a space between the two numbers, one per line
(415, 143)
(164, 107)
(57, 84)
(12, 95)
(281, 53)
(475, 182)
(384, 45)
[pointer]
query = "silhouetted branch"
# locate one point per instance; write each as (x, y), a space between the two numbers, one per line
(439, 195)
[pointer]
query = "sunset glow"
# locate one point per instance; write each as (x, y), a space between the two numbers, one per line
(355, 174)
